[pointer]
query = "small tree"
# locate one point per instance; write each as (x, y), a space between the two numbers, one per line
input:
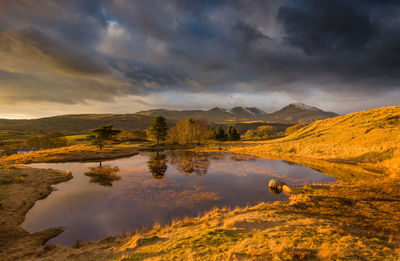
(232, 133)
(250, 134)
(158, 129)
(266, 132)
(103, 134)
(220, 133)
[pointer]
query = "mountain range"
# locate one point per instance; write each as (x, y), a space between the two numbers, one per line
(82, 123)
(293, 113)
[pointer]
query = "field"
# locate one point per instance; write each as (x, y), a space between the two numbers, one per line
(355, 219)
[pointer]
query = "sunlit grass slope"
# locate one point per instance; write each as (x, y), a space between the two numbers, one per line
(367, 137)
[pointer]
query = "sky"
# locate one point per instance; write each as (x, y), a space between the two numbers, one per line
(122, 56)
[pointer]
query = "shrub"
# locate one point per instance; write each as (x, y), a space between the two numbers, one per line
(133, 135)
(47, 141)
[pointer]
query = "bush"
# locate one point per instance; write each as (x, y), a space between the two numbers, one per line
(262, 132)
(134, 135)
(47, 141)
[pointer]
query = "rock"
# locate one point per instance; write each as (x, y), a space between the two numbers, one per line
(275, 186)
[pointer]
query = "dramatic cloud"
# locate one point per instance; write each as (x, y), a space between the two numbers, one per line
(89, 54)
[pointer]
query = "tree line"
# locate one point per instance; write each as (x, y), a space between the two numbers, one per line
(189, 131)
(186, 131)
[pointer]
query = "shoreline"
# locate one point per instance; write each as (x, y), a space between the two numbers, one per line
(300, 195)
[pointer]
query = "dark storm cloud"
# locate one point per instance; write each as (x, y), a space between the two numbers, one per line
(328, 26)
(119, 47)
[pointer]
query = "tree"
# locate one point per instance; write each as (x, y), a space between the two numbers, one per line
(103, 134)
(220, 133)
(266, 132)
(250, 134)
(158, 129)
(187, 131)
(294, 128)
(232, 133)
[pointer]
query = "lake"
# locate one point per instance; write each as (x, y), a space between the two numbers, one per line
(157, 187)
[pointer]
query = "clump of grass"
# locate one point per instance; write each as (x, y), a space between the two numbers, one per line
(105, 172)
(103, 176)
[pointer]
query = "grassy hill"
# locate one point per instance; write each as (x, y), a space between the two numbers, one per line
(354, 219)
(79, 123)
(240, 116)
(299, 113)
(213, 115)
(371, 136)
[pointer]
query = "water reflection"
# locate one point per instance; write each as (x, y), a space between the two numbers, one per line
(156, 187)
(104, 176)
(158, 165)
(189, 162)
(275, 190)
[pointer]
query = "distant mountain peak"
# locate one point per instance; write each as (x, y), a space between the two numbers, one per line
(242, 111)
(304, 107)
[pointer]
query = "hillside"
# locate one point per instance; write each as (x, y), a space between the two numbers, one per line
(212, 115)
(364, 137)
(354, 219)
(299, 113)
(293, 113)
(82, 123)
(79, 123)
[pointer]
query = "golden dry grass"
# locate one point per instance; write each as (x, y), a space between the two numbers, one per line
(81, 152)
(370, 137)
(356, 219)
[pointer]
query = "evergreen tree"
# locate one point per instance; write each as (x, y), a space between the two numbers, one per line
(158, 129)
(220, 133)
(232, 133)
(103, 134)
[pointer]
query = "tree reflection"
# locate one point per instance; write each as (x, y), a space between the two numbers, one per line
(104, 176)
(190, 162)
(158, 165)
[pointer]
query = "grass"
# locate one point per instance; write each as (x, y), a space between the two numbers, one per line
(20, 187)
(80, 152)
(355, 219)
(72, 138)
(103, 175)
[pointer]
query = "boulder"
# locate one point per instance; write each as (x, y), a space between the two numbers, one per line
(276, 186)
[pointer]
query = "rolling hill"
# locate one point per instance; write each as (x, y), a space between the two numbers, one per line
(245, 117)
(367, 137)
(299, 113)
(78, 123)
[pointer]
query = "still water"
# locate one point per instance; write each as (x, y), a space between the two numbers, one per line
(157, 187)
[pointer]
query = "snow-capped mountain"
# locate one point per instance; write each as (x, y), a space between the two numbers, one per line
(293, 113)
